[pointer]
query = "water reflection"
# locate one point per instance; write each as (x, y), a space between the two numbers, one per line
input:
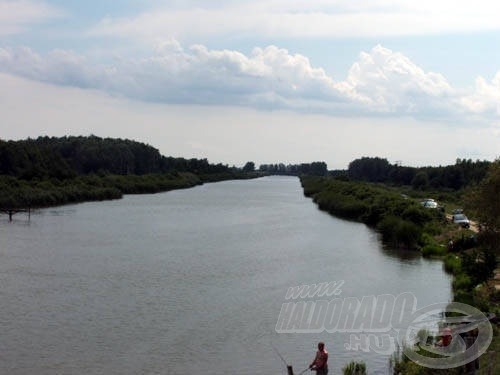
(401, 254)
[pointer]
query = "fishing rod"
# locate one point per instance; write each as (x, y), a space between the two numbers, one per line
(288, 367)
(279, 355)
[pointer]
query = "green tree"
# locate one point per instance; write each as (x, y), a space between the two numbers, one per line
(319, 168)
(369, 169)
(479, 266)
(249, 166)
(420, 181)
(484, 202)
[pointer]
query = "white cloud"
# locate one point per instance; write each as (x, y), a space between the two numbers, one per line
(311, 18)
(388, 81)
(486, 97)
(59, 67)
(17, 15)
(235, 134)
(381, 81)
(197, 75)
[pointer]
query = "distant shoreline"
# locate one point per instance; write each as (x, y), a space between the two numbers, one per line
(18, 194)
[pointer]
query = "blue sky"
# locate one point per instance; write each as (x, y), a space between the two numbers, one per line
(268, 81)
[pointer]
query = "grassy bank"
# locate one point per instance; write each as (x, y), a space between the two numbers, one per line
(20, 193)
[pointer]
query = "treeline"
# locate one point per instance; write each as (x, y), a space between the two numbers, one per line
(401, 221)
(454, 177)
(463, 173)
(49, 171)
(317, 168)
(67, 157)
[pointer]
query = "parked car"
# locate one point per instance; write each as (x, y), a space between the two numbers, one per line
(462, 220)
(429, 203)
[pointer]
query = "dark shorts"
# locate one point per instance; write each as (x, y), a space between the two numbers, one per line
(322, 371)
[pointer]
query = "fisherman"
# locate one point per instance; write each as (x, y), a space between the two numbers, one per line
(445, 338)
(320, 362)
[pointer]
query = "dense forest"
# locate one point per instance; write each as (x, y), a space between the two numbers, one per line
(49, 171)
(67, 157)
(454, 177)
(463, 173)
(54, 170)
(317, 168)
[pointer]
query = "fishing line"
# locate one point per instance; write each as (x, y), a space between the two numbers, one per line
(279, 355)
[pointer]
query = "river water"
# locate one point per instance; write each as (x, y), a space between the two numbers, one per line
(188, 281)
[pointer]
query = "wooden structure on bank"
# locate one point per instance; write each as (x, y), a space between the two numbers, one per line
(12, 211)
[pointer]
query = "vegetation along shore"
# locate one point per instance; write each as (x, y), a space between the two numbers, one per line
(50, 171)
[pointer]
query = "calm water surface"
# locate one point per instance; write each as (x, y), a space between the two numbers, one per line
(188, 281)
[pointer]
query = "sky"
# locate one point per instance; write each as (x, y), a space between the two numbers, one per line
(269, 81)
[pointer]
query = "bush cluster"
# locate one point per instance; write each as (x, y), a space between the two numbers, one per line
(18, 193)
(401, 221)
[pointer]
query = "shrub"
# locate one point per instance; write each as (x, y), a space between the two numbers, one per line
(465, 242)
(462, 282)
(479, 265)
(433, 249)
(417, 214)
(452, 264)
(399, 232)
(463, 296)
(354, 368)
(433, 228)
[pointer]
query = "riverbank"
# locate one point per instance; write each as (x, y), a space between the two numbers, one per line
(16, 193)
(51, 171)
(403, 222)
